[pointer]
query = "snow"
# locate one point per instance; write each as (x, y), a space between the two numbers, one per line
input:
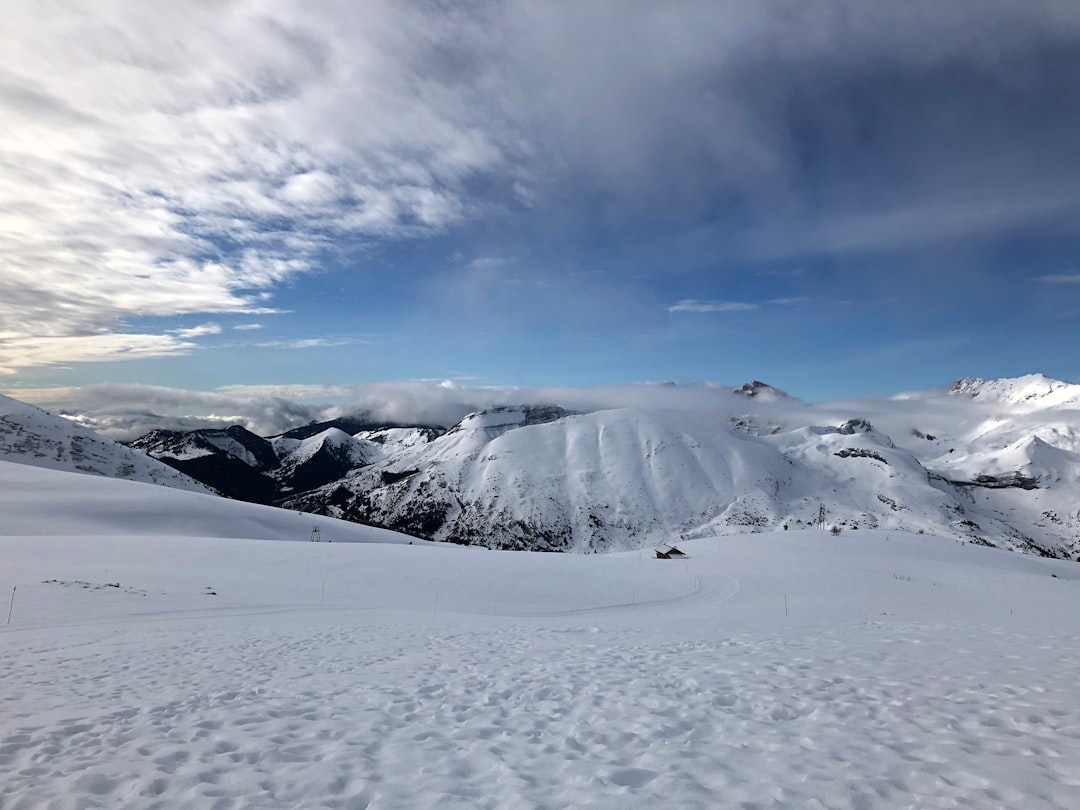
(189, 451)
(46, 502)
(232, 447)
(624, 478)
(162, 652)
(29, 435)
(388, 440)
(1029, 390)
(356, 450)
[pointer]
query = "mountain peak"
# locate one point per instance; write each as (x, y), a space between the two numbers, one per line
(756, 389)
(1030, 389)
(511, 416)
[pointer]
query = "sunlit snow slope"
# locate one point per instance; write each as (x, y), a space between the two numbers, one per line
(156, 658)
(549, 479)
(29, 435)
(39, 501)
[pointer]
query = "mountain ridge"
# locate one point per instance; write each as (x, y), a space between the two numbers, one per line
(33, 436)
(994, 462)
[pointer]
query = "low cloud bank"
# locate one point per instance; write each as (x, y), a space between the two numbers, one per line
(125, 412)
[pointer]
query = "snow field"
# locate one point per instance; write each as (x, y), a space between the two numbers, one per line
(908, 671)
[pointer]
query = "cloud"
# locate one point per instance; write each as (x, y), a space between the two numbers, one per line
(19, 352)
(307, 343)
(165, 159)
(489, 262)
(198, 331)
(1061, 278)
(296, 391)
(125, 411)
(164, 162)
(693, 305)
(248, 327)
(890, 226)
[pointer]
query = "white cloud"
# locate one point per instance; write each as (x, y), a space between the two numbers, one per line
(201, 330)
(693, 305)
(124, 411)
(306, 343)
(296, 391)
(248, 327)
(127, 411)
(20, 353)
(143, 136)
(1061, 278)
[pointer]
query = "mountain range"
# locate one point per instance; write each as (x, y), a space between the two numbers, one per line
(993, 462)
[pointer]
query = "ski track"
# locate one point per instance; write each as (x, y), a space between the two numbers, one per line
(325, 709)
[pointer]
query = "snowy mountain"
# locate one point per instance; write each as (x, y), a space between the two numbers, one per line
(247, 467)
(994, 462)
(625, 478)
(29, 435)
(1030, 391)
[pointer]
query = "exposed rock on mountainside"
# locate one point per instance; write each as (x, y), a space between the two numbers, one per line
(248, 467)
(756, 389)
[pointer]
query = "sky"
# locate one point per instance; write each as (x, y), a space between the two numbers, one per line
(210, 204)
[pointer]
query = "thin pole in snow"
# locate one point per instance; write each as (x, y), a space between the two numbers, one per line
(785, 604)
(434, 608)
(322, 595)
(12, 605)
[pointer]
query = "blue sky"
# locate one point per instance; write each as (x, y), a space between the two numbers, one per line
(839, 197)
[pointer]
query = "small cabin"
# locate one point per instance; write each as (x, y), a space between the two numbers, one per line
(667, 552)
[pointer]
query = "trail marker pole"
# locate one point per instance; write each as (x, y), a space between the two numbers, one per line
(322, 595)
(785, 605)
(434, 608)
(12, 605)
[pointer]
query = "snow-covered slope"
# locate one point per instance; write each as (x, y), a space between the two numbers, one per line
(155, 658)
(625, 478)
(1031, 391)
(38, 501)
(319, 459)
(29, 435)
